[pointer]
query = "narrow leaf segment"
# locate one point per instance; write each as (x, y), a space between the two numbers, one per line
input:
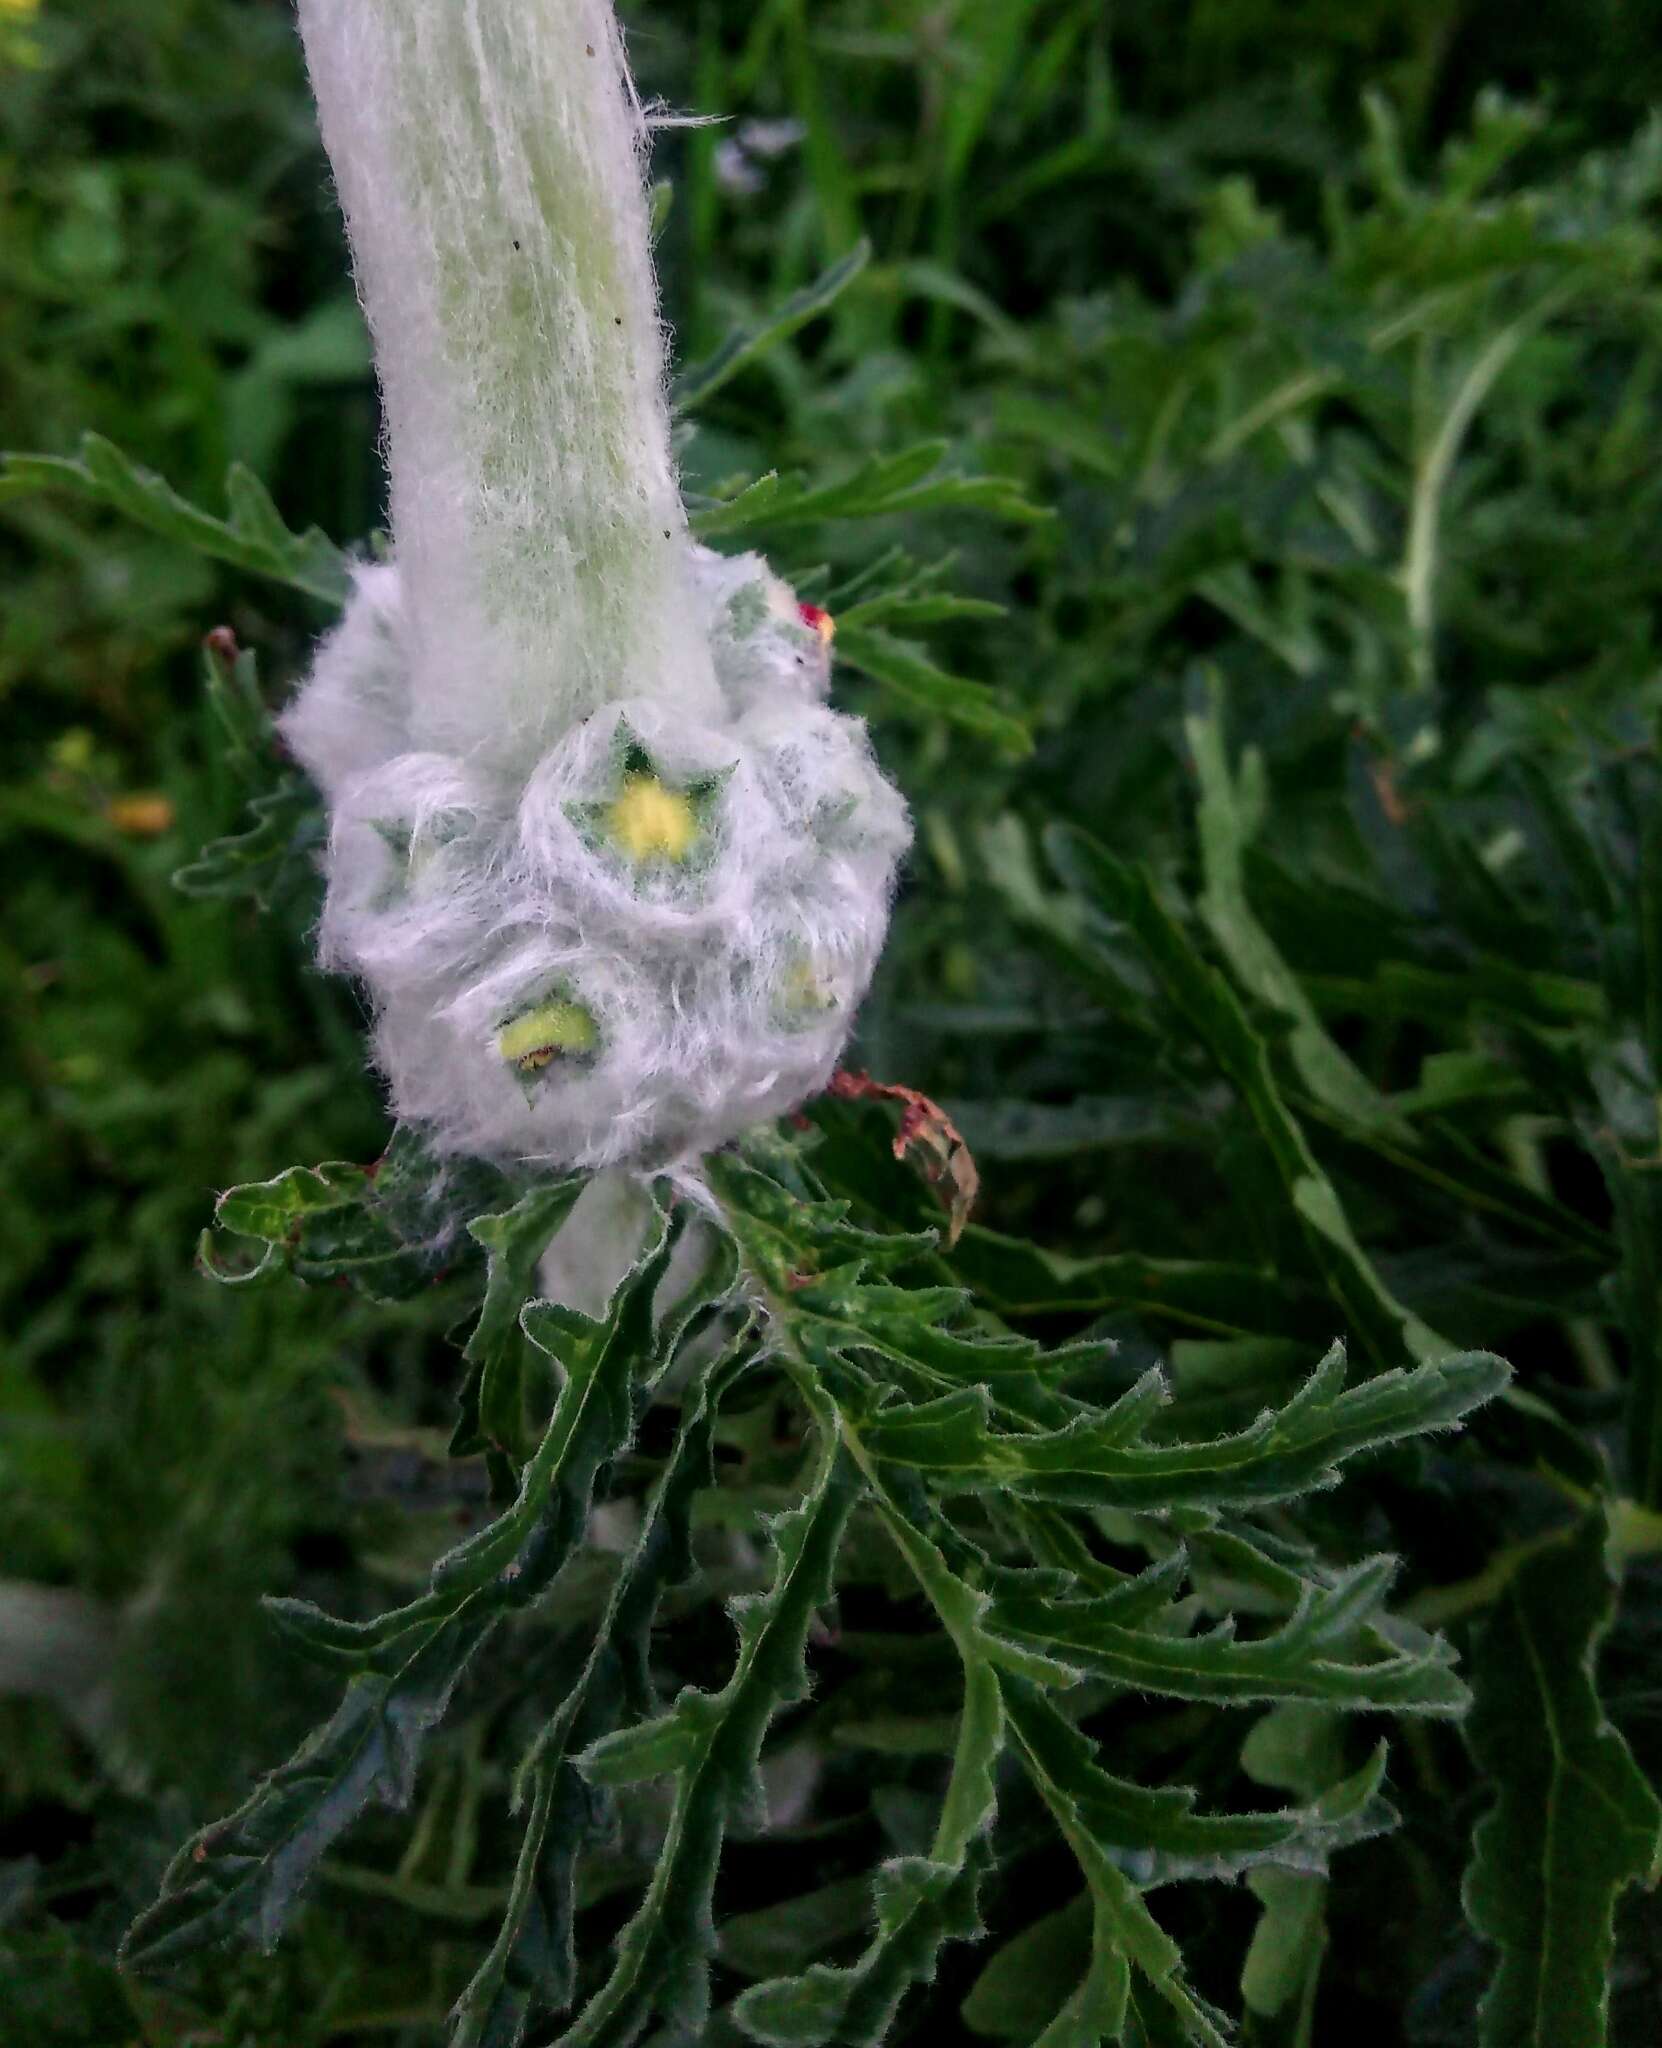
(1574, 1821)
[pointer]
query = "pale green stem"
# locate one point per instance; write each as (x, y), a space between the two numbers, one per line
(1432, 470)
(1284, 398)
(489, 155)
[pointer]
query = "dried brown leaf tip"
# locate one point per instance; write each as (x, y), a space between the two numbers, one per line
(927, 1139)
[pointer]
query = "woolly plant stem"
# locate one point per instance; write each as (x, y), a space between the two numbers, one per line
(489, 157)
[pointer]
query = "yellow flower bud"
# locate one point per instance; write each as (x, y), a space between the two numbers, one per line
(551, 1031)
(648, 821)
(801, 996)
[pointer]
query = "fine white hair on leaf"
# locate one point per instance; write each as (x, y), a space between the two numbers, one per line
(614, 874)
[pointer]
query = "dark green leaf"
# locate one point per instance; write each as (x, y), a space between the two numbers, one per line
(493, 1399)
(1099, 1460)
(254, 537)
(1574, 1822)
(259, 862)
(700, 381)
(916, 680)
(883, 486)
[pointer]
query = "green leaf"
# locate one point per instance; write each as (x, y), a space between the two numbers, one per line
(231, 685)
(1095, 2011)
(1285, 1956)
(61, 1994)
(1157, 1835)
(1014, 1129)
(811, 1264)
(1099, 1459)
(1039, 1626)
(243, 1874)
(1014, 1998)
(1636, 1286)
(1123, 1926)
(383, 1229)
(1024, 1279)
(897, 608)
(1125, 894)
(787, 1936)
(493, 1397)
(1230, 812)
(253, 538)
(913, 1397)
(266, 857)
(278, 848)
(1574, 1821)
(920, 1902)
(883, 486)
(514, 1559)
(1326, 1651)
(915, 679)
(532, 1964)
(1300, 1747)
(702, 380)
(320, 1223)
(715, 1741)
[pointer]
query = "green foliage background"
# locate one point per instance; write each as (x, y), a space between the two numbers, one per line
(1283, 934)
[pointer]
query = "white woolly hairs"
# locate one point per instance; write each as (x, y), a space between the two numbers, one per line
(488, 155)
(614, 875)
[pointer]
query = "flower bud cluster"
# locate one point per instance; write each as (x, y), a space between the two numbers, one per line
(656, 936)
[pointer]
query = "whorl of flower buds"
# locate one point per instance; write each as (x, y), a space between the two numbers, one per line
(614, 875)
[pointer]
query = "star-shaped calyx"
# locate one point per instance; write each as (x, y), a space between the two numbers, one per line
(647, 821)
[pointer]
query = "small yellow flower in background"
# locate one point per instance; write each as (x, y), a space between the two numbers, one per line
(534, 1041)
(145, 814)
(74, 750)
(15, 46)
(647, 820)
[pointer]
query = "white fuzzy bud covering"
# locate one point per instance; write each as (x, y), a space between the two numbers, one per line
(615, 876)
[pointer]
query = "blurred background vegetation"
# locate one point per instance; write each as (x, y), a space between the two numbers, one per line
(1332, 337)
